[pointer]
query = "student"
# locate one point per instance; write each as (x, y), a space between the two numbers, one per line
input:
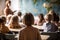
(41, 20)
(14, 24)
(7, 9)
(4, 18)
(3, 28)
(19, 16)
(29, 33)
(55, 18)
(48, 26)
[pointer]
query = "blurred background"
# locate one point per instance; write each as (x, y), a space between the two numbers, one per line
(34, 6)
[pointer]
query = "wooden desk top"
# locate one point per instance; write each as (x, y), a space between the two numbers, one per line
(44, 37)
(36, 26)
(16, 30)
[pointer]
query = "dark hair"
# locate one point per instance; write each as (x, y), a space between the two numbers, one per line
(28, 19)
(8, 2)
(4, 18)
(55, 16)
(41, 17)
(1, 20)
(19, 13)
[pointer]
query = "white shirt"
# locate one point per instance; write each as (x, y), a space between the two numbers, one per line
(49, 27)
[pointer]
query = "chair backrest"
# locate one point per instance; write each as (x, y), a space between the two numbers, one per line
(58, 35)
(2, 36)
(52, 35)
(48, 33)
(10, 36)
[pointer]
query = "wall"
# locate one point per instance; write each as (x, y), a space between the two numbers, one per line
(2, 6)
(29, 6)
(56, 8)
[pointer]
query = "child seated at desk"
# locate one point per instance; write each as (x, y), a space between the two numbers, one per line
(14, 23)
(3, 28)
(41, 19)
(48, 26)
(4, 18)
(55, 19)
(29, 32)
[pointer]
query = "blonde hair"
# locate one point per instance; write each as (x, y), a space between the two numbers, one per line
(48, 17)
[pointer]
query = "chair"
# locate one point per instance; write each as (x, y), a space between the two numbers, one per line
(2, 36)
(58, 35)
(10, 36)
(53, 35)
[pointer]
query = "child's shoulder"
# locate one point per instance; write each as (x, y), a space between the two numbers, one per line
(31, 28)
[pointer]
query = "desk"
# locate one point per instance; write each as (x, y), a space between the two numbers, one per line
(48, 33)
(7, 36)
(36, 26)
(44, 37)
(15, 30)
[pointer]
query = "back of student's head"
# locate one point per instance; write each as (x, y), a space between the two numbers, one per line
(14, 22)
(14, 19)
(1, 21)
(4, 18)
(48, 17)
(19, 14)
(28, 19)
